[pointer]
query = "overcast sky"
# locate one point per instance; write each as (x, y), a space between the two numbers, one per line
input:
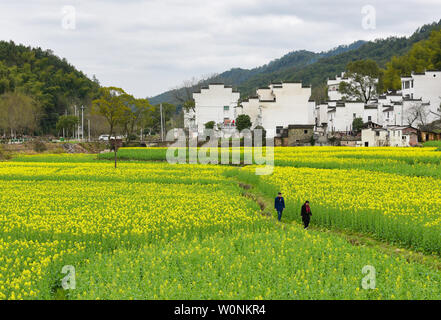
(149, 46)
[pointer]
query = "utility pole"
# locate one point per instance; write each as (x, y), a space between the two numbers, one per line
(162, 129)
(82, 123)
(88, 126)
(74, 131)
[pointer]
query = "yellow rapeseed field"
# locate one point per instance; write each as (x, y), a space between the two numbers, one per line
(160, 231)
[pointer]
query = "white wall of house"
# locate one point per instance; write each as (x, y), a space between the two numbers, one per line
(398, 139)
(374, 137)
(280, 105)
(251, 108)
(341, 117)
(371, 114)
(334, 87)
(394, 136)
(425, 86)
(321, 114)
(216, 103)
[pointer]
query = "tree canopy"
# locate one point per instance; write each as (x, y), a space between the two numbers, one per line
(424, 55)
(243, 122)
(362, 82)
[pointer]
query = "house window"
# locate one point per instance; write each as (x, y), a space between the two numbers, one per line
(306, 131)
(279, 130)
(370, 118)
(355, 115)
(378, 133)
(226, 108)
(404, 137)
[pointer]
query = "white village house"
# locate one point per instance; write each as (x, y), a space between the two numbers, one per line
(274, 107)
(216, 102)
(421, 95)
(394, 136)
(281, 105)
(278, 106)
(425, 86)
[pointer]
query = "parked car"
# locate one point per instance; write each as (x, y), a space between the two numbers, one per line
(105, 137)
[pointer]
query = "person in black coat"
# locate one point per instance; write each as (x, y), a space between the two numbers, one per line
(279, 205)
(306, 214)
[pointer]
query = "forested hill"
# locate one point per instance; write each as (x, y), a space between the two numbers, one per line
(51, 81)
(314, 68)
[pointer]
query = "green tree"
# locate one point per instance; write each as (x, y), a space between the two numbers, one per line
(357, 125)
(135, 116)
(67, 124)
(363, 80)
(189, 105)
(424, 55)
(210, 125)
(243, 122)
(112, 105)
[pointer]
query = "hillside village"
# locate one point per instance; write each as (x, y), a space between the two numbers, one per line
(286, 111)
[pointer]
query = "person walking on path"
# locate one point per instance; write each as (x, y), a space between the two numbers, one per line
(279, 205)
(306, 214)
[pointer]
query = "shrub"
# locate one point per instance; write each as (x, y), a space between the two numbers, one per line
(210, 125)
(243, 122)
(432, 144)
(39, 146)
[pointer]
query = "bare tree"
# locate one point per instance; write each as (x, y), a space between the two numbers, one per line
(418, 113)
(184, 94)
(19, 114)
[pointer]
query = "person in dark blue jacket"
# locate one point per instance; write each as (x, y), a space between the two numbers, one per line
(279, 205)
